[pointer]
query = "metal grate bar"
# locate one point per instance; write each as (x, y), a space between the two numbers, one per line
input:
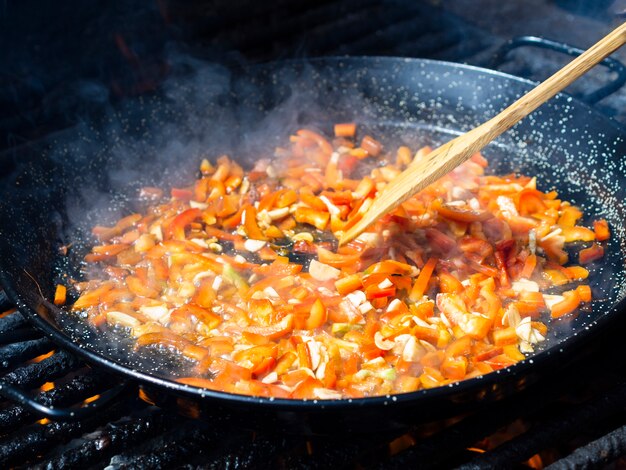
(19, 335)
(51, 368)
(5, 304)
(322, 453)
(188, 441)
(597, 454)
(30, 443)
(261, 451)
(114, 437)
(18, 353)
(77, 390)
(13, 320)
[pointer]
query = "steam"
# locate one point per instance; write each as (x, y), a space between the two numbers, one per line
(202, 110)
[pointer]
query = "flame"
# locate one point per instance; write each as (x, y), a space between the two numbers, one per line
(189, 408)
(145, 397)
(47, 386)
(7, 312)
(399, 444)
(511, 431)
(90, 399)
(43, 356)
(535, 462)
(43, 421)
(476, 449)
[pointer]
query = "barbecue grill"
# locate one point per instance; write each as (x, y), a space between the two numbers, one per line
(574, 418)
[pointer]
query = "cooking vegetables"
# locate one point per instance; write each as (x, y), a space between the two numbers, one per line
(240, 273)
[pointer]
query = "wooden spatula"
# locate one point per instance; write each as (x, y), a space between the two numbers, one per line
(447, 157)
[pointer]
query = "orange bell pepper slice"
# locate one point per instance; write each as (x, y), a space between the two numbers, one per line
(421, 283)
(601, 229)
(570, 303)
(347, 129)
(250, 224)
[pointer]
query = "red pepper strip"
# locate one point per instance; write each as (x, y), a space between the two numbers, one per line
(570, 303)
(440, 241)
(92, 297)
(227, 205)
(601, 228)
(286, 198)
(192, 258)
(320, 141)
(313, 201)
(305, 215)
(460, 215)
(531, 202)
(306, 388)
(250, 225)
(165, 338)
(278, 268)
(203, 315)
(102, 252)
(569, 216)
(221, 234)
(449, 284)
(577, 233)
(529, 266)
(263, 367)
(584, 292)
(501, 264)
(317, 317)
(337, 260)
(375, 292)
(233, 220)
(590, 254)
(176, 229)
(478, 246)
(372, 146)
(267, 202)
(348, 284)
(389, 267)
(228, 373)
(274, 331)
(421, 283)
(182, 194)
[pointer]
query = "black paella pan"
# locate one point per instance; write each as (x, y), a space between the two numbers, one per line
(52, 200)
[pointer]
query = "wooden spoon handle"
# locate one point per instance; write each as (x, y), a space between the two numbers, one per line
(450, 155)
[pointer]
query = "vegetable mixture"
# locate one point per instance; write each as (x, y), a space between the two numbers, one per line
(241, 273)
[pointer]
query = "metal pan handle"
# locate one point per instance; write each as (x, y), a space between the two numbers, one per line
(533, 41)
(16, 394)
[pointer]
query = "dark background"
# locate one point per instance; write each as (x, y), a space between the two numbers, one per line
(61, 61)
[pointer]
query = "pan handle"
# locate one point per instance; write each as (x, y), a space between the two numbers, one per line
(16, 394)
(533, 41)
